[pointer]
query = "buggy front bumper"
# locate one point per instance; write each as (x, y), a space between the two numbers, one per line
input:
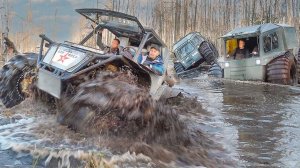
(49, 83)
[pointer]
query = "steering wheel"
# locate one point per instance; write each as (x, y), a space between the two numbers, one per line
(129, 52)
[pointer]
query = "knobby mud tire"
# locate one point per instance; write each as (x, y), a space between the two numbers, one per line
(298, 66)
(11, 75)
(215, 71)
(209, 52)
(282, 70)
(178, 67)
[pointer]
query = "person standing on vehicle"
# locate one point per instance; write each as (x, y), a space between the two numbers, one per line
(153, 60)
(241, 52)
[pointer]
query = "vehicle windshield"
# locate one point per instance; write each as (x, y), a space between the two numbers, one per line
(185, 50)
(112, 20)
(244, 48)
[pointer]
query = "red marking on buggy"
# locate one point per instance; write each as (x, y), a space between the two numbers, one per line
(63, 57)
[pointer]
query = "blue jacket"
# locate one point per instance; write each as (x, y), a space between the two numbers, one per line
(156, 65)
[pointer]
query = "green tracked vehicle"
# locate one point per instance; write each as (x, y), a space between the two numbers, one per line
(272, 56)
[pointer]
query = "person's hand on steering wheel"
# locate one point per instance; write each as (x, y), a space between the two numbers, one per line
(129, 52)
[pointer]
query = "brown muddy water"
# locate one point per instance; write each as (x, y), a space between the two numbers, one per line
(226, 124)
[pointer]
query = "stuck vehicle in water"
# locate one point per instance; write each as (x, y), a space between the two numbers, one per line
(86, 77)
(271, 54)
(193, 54)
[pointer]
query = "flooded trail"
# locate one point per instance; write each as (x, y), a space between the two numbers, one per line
(227, 124)
(260, 122)
(30, 136)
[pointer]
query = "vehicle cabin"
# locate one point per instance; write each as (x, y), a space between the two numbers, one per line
(134, 38)
(126, 28)
(186, 50)
(262, 44)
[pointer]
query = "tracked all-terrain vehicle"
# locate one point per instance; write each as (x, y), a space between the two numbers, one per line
(273, 54)
(195, 54)
(89, 79)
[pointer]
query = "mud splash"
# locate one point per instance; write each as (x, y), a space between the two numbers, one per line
(114, 103)
(37, 139)
(111, 122)
(31, 137)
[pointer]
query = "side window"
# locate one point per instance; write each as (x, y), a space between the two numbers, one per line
(270, 42)
(267, 44)
(274, 41)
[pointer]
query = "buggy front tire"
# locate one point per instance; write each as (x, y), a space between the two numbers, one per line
(11, 78)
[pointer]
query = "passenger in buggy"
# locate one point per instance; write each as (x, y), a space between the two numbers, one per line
(153, 60)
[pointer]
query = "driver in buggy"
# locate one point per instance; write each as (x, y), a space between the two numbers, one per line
(153, 60)
(113, 49)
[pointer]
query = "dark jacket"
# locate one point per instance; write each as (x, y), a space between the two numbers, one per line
(114, 51)
(241, 53)
(156, 65)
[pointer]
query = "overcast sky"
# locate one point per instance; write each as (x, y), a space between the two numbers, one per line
(43, 12)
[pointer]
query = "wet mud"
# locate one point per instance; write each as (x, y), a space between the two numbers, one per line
(143, 133)
(218, 123)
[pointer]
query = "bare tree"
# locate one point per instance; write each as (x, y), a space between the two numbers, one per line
(173, 19)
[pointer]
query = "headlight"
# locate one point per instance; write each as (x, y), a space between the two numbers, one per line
(258, 62)
(226, 64)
